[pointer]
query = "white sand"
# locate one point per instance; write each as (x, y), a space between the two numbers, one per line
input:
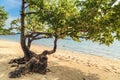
(64, 65)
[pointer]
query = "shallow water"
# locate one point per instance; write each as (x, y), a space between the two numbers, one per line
(87, 47)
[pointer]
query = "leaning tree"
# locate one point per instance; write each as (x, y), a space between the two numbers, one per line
(98, 21)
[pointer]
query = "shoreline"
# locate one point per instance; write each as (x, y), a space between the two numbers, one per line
(50, 47)
(85, 47)
(64, 64)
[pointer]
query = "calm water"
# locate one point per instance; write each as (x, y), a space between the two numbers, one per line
(87, 47)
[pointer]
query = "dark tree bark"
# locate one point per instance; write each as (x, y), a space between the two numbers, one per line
(29, 43)
(35, 64)
(22, 37)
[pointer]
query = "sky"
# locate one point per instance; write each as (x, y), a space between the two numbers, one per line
(13, 9)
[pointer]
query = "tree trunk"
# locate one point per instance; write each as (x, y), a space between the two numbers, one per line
(29, 43)
(22, 37)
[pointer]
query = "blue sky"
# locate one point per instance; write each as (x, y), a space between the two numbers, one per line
(13, 9)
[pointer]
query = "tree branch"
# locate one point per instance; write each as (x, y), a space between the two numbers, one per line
(31, 37)
(39, 38)
(30, 13)
(38, 33)
(55, 46)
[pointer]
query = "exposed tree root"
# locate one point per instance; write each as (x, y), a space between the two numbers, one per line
(18, 61)
(37, 64)
(24, 59)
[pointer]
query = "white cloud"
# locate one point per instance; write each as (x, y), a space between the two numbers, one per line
(9, 21)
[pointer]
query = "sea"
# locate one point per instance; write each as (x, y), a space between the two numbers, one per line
(85, 47)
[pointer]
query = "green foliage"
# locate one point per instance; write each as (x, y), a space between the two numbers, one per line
(33, 24)
(99, 20)
(96, 20)
(3, 18)
(55, 15)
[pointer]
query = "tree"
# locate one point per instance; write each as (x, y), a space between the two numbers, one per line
(3, 18)
(89, 19)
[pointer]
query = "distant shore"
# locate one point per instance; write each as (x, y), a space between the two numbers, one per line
(64, 64)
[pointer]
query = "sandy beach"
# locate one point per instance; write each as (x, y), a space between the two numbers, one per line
(64, 65)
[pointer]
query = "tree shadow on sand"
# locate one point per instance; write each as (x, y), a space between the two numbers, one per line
(57, 72)
(67, 73)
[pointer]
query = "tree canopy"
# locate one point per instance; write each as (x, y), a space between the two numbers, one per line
(3, 18)
(101, 18)
(98, 21)
(94, 20)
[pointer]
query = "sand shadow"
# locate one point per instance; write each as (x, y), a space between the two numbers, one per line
(67, 73)
(56, 73)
